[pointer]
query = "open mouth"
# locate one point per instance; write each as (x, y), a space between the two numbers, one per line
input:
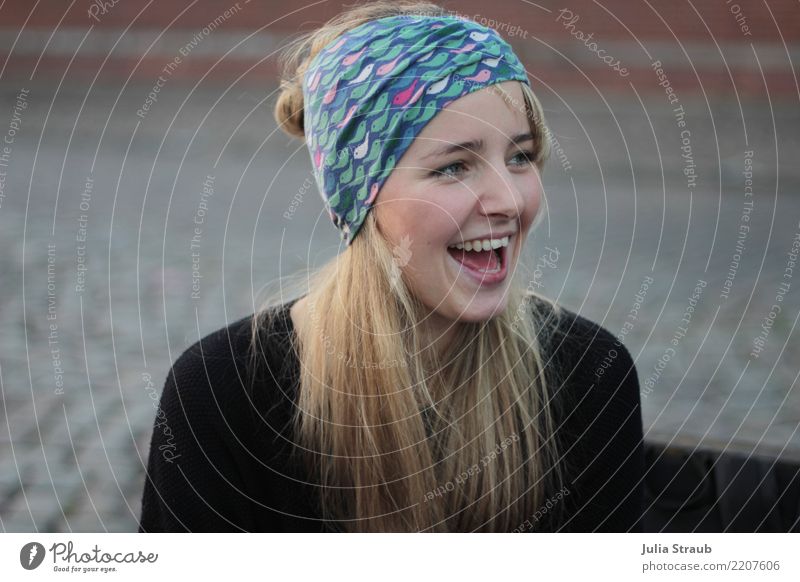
(484, 266)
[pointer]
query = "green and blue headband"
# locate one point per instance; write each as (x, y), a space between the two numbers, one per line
(370, 92)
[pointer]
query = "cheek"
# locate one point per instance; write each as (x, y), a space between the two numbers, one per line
(533, 194)
(426, 223)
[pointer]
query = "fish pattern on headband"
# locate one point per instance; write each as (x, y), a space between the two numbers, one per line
(372, 90)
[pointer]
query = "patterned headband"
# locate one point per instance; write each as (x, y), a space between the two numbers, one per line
(370, 92)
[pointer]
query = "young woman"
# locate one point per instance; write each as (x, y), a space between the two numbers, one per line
(417, 385)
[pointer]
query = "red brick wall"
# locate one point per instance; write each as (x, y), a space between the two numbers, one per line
(643, 18)
(621, 23)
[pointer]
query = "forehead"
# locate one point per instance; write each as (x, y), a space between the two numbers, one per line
(486, 110)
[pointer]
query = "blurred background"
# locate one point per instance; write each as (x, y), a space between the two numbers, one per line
(672, 218)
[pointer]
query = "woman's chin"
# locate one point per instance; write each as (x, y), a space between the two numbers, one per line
(481, 306)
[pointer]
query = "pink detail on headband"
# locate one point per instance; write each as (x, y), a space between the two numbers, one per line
(337, 45)
(331, 94)
(348, 116)
(372, 193)
(465, 48)
(417, 95)
(480, 77)
(350, 59)
(404, 95)
(388, 67)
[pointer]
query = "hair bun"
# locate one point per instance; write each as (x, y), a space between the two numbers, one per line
(289, 109)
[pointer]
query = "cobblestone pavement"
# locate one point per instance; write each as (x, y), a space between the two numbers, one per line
(100, 205)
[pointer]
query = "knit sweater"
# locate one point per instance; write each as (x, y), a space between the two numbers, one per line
(219, 454)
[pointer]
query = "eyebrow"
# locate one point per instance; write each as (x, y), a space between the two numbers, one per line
(475, 145)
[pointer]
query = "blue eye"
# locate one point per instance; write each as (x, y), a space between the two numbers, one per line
(527, 158)
(442, 172)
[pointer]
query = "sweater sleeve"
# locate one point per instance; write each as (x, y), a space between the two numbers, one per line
(604, 437)
(192, 477)
(208, 470)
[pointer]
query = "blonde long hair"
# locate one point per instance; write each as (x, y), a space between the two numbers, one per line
(397, 436)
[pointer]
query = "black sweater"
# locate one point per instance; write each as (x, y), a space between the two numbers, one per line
(219, 452)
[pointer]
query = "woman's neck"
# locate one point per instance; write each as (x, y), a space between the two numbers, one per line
(437, 332)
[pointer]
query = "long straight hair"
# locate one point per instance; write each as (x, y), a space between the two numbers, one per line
(397, 436)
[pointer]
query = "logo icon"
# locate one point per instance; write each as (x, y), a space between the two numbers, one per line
(401, 258)
(31, 555)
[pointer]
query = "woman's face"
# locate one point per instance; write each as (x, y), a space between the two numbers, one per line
(467, 176)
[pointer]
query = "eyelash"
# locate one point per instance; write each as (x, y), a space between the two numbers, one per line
(440, 173)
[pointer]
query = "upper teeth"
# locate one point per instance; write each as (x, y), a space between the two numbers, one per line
(482, 245)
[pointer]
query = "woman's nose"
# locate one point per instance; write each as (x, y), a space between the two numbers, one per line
(500, 193)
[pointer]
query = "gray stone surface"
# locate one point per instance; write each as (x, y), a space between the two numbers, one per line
(622, 211)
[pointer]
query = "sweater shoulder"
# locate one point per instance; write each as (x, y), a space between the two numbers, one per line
(596, 384)
(215, 462)
(583, 349)
(220, 369)
(217, 360)
(225, 343)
